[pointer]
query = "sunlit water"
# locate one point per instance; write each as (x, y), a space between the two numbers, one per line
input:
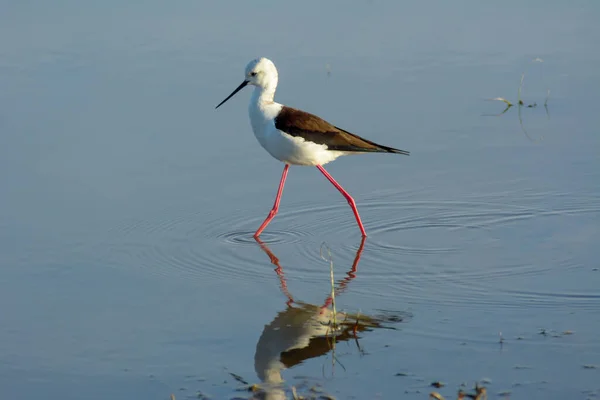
(127, 203)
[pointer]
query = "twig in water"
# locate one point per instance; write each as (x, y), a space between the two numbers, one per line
(436, 396)
(295, 393)
(523, 127)
(520, 102)
(508, 103)
(238, 378)
(332, 281)
(333, 323)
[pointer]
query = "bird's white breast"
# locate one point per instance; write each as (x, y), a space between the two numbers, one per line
(286, 148)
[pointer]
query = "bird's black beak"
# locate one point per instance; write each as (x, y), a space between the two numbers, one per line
(233, 93)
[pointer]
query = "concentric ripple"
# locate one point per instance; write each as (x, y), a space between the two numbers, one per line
(193, 244)
(183, 243)
(472, 252)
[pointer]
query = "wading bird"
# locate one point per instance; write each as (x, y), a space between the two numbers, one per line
(296, 137)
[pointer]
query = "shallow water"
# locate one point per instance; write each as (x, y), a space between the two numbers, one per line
(127, 264)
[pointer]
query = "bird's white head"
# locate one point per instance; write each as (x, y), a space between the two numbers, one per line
(260, 72)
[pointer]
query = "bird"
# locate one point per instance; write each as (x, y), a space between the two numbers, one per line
(296, 137)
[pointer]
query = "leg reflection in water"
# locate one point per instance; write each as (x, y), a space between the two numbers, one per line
(303, 331)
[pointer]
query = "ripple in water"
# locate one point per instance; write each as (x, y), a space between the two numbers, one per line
(417, 251)
(174, 243)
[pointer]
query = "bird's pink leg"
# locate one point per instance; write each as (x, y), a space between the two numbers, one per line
(275, 208)
(347, 196)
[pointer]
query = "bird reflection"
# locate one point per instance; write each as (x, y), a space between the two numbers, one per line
(303, 331)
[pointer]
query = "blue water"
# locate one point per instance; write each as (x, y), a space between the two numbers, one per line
(127, 203)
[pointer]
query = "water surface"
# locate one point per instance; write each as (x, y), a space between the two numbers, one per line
(127, 267)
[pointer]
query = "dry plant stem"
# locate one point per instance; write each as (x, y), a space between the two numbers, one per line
(331, 277)
(334, 327)
(332, 281)
(502, 99)
(295, 393)
(519, 101)
(436, 396)
(333, 323)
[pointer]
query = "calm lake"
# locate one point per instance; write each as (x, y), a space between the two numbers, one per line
(128, 203)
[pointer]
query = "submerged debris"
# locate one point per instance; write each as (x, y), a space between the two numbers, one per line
(239, 378)
(326, 397)
(436, 396)
(521, 104)
(520, 366)
(480, 394)
(555, 334)
(295, 394)
(508, 103)
(202, 396)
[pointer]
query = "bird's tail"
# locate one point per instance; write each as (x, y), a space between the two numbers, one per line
(386, 149)
(362, 145)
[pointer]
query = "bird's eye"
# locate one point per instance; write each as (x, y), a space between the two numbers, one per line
(252, 73)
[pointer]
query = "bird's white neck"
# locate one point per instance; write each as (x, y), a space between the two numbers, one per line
(262, 109)
(262, 95)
